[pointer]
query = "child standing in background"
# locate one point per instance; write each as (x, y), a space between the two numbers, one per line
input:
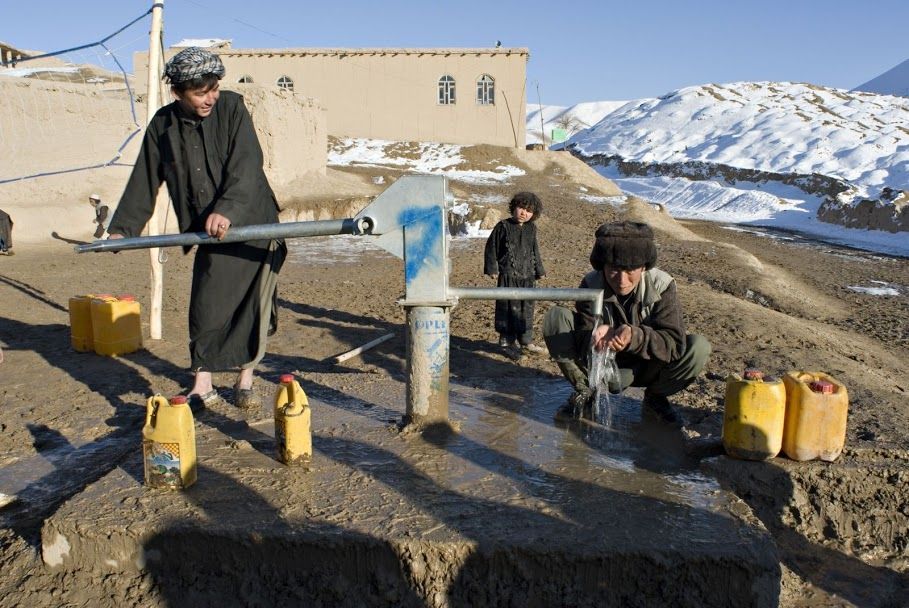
(6, 233)
(513, 256)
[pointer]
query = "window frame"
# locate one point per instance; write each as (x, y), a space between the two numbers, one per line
(285, 82)
(447, 90)
(486, 90)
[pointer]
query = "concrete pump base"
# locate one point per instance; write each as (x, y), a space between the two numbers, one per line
(507, 508)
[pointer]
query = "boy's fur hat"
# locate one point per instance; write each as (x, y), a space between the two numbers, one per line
(623, 245)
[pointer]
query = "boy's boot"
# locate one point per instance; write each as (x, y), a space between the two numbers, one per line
(659, 407)
(579, 402)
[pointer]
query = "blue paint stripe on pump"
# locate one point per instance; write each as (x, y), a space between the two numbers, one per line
(423, 251)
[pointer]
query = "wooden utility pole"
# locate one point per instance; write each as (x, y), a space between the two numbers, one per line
(542, 128)
(155, 53)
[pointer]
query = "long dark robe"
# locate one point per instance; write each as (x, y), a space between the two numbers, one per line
(232, 304)
(213, 166)
(512, 252)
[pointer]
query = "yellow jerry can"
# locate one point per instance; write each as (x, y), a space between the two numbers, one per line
(754, 415)
(169, 443)
(293, 417)
(816, 409)
(116, 325)
(80, 323)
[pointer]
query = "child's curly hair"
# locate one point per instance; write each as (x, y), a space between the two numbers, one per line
(526, 200)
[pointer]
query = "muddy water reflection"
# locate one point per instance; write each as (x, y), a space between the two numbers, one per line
(631, 457)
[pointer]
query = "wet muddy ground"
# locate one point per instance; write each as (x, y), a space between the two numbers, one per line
(510, 510)
(69, 423)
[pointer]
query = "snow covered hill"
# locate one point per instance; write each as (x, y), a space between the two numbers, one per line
(770, 152)
(572, 119)
(789, 128)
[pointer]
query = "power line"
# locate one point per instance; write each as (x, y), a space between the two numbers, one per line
(219, 10)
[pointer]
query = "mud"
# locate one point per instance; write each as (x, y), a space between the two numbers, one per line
(67, 421)
(842, 529)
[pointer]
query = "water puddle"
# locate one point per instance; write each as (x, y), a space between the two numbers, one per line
(62, 468)
(631, 456)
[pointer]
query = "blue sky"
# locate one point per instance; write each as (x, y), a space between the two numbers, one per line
(580, 50)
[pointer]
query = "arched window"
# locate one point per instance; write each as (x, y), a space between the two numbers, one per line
(446, 90)
(486, 90)
(286, 83)
(245, 79)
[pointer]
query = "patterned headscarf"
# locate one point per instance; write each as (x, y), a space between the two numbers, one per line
(192, 62)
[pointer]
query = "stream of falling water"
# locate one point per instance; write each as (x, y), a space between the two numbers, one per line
(603, 370)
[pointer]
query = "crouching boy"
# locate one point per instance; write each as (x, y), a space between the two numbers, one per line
(641, 321)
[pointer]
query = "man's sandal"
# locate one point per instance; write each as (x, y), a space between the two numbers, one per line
(198, 402)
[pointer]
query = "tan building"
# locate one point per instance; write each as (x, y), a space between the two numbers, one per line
(10, 55)
(461, 96)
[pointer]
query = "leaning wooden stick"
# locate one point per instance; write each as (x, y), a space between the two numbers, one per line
(353, 353)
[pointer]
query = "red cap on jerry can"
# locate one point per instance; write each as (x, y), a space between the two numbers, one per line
(287, 378)
(822, 386)
(178, 400)
(127, 298)
(753, 373)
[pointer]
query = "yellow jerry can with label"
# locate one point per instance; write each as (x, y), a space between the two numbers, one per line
(169, 443)
(80, 323)
(116, 325)
(754, 416)
(816, 409)
(293, 417)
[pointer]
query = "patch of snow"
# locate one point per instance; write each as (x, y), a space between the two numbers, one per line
(604, 200)
(332, 249)
(502, 174)
(201, 42)
(882, 288)
(488, 199)
(761, 233)
(773, 205)
(424, 157)
(473, 231)
(26, 72)
(461, 209)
